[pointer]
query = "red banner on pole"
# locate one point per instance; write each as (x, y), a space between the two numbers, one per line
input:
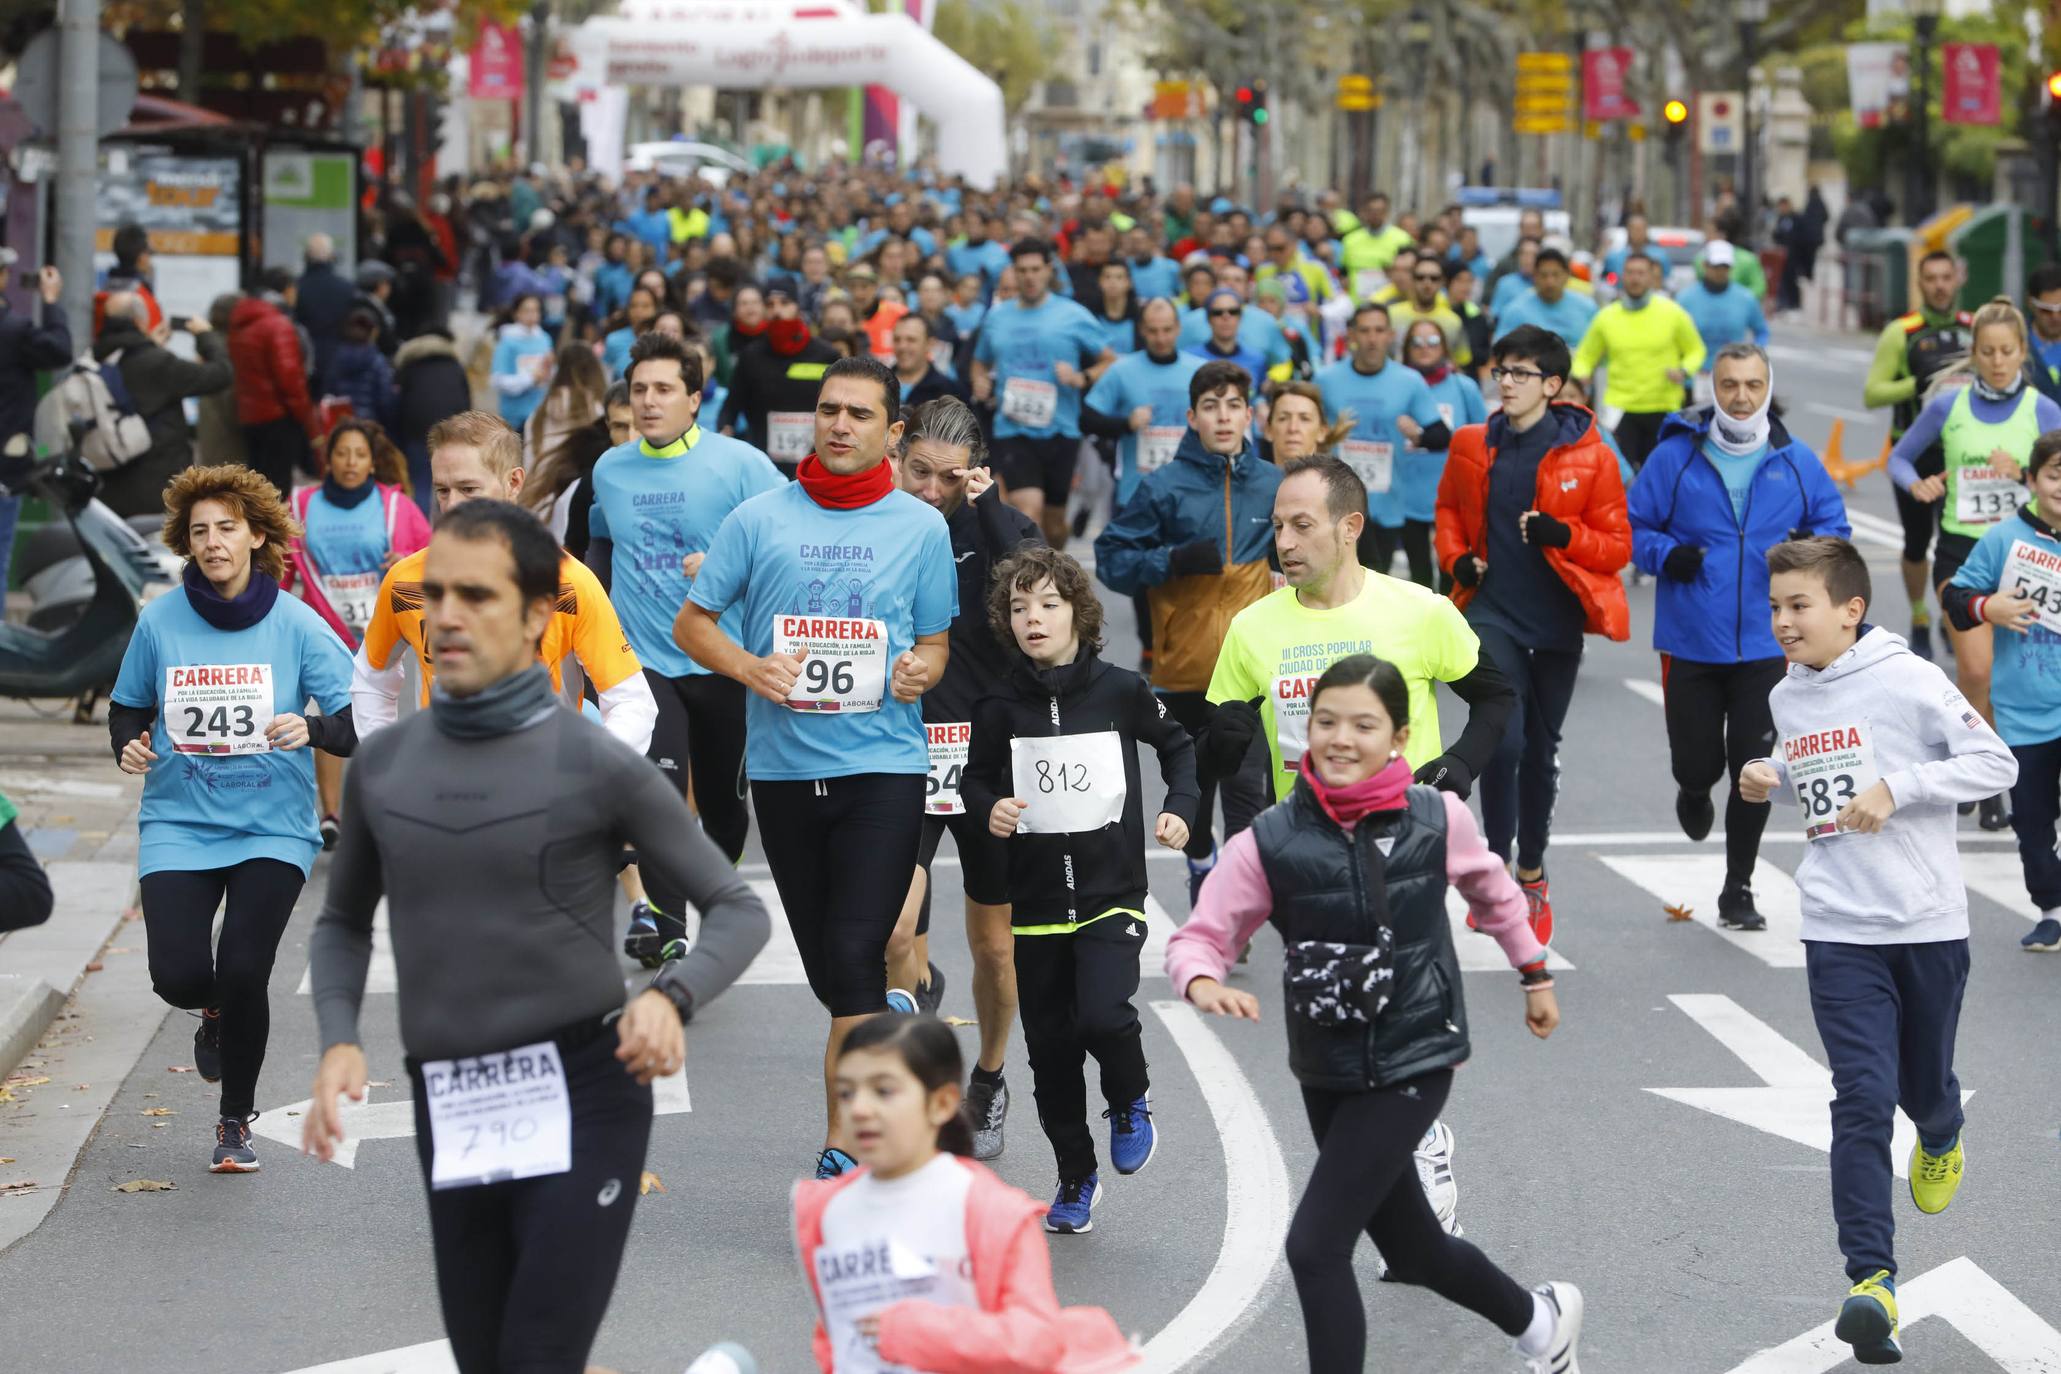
(1604, 72)
(496, 63)
(1973, 94)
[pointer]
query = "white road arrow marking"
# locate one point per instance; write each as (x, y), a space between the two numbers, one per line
(1958, 1292)
(379, 972)
(431, 1357)
(1647, 688)
(1795, 1102)
(1999, 876)
(1694, 880)
(1479, 953)
(396, 1121)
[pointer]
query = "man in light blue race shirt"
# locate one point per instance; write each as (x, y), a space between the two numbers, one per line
(848, 591)
(978, 254)
(1392, 407)
(1142, 401)
(658, 501)
(1549, 304)
(1035, 356)
(1257, 330)
(1153, 274)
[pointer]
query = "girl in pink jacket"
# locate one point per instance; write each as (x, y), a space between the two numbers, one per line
(921, 1259)
(1352, 869)
(353, 527)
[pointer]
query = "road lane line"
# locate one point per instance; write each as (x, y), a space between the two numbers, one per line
(1649, 689)
(1478, 953)
(431, 1357)
(1988, 1314)
(1774, 1059)
(1256, 1202)
(1693, 881)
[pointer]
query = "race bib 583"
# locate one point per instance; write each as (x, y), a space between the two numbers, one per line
(1829, 767)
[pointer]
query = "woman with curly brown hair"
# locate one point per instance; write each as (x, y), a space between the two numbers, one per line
(207, 707)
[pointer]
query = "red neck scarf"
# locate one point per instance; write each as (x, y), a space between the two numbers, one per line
(1380, 791)
(833, 492)
(1435, 375)
(787, 337)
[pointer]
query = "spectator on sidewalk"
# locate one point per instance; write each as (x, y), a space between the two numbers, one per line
(27, 346)
(218, 437)
(131, 272)
(322, 299)
(280, 426)
(25, 896)
(375, 283)
(158, 381)
(359, 372)
(433, 386)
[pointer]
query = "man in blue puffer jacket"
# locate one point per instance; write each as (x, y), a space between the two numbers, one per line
(1723, 486)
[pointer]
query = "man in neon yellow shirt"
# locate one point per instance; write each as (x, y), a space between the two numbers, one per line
(1279, 646)
(1653, 349)
(1364, 253)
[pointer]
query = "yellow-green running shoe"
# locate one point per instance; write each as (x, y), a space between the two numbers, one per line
(1867, 1320)
(1936, 1178)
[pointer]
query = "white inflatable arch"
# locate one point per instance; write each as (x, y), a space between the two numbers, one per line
(754, 45)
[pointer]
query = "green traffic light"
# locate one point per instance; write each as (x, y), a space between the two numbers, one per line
(1259, 116)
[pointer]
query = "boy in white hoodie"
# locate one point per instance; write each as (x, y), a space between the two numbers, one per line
(1878, 747)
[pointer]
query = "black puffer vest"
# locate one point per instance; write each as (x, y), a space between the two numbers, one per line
(1318, 875)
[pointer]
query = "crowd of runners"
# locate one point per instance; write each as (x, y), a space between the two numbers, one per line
(789, 493)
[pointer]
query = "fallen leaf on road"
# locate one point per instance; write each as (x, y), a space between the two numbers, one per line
(1679, 913)
(959, 1021)
(26, 1081)
(144, 1185)
(6, 1159)
(157, 1125)
(159, 1111)
(95, 967)
(82, 1087)
(650, 1183)
(27, 1185)
(178, 1068)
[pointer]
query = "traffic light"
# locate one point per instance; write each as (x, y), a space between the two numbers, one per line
(1676, 113)
(1259, 103)
(1251, 100)
(1242, 97)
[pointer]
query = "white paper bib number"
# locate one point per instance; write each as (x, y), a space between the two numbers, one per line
(1445, 412)
(1292, 715)
(1156, 445)
(845, 668)
(498, 1117)
(218, 708)
(1030, 402)
(1367, 281)
(1984, 495)
(1373, 460)
(1829, 768)
(949, 745)
(352, 596)
(2035, 574)
(790, 434)
(1073, 783)
(941, 355)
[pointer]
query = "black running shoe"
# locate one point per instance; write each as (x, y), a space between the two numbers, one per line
(931, 995)
(233, 1154)
(207, 1046)
(987, 1107)
(1696, 812)
(1921, 641)
(654, 937)
(1996, 815)
(1736, 910)
(330, 830)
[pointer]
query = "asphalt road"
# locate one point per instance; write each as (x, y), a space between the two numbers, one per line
(1698, 1224)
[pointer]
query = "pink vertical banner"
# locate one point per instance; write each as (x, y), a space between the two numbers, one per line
(496, 63)
(1972, 93)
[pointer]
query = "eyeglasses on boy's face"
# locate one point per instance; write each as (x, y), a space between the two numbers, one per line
(1520, 375)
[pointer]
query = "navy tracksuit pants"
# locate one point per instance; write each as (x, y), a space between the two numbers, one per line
(1887, 1015)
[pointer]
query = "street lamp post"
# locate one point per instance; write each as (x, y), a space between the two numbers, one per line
(1750, 14)
(1417, 34)
(1918, 200)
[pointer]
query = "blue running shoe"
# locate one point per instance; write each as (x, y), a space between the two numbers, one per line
(1132, 1138)
(233, 1154)
(903, 1002)
(1197, 873)
(834, 1162)
(2043, 938)
(1073, 1209)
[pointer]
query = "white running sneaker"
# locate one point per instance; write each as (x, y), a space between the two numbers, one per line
(1566, 1301)
(1435, 1173)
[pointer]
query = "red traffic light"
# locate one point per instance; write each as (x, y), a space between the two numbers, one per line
(1244, 94)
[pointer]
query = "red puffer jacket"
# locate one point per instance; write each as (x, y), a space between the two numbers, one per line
(1578, 485)
(271, 377)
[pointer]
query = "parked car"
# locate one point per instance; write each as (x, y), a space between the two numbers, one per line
(679, 158)
(1681, 245)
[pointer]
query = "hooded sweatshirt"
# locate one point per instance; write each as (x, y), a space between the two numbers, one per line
(1879, 712)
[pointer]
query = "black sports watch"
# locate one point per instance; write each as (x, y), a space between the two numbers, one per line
(682, 1000)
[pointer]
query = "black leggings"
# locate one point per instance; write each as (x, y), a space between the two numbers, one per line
(1718, 721)
(1378, 544)
(178, 919)
(525, 1269)
(842, 851)
(700, 727)
(1366, 1181)
(1245, 791)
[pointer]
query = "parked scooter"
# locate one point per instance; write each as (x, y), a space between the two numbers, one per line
(81, 659)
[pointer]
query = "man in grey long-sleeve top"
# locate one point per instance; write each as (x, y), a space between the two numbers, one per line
(493, 824)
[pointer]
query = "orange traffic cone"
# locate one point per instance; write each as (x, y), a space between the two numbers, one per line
(1834, 457)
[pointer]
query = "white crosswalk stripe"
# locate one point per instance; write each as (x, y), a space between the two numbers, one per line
(1693, 881)
(379, 973)
(1478, 952)
(1998, 875)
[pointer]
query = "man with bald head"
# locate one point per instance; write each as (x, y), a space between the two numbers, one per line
(159, 381)
(323, 300)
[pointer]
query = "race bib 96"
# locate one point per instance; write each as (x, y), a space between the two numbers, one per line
(844, 662)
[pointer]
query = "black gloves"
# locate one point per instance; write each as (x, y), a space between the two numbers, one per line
(1202, 557)
(1546, 532)
(1467, 570)
(1683, 562)
(1448, 774)
(1229, 735)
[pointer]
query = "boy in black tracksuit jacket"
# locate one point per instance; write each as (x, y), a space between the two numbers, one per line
(1054, 767)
